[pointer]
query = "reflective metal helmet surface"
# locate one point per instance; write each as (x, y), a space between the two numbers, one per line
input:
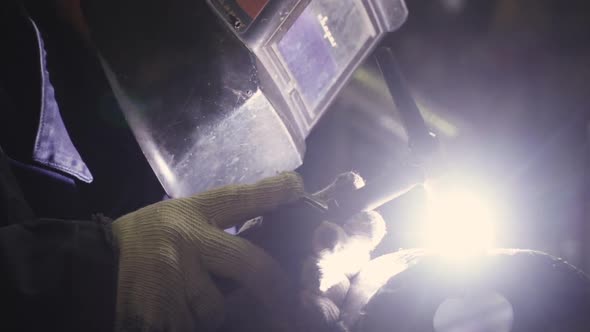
(220, 92)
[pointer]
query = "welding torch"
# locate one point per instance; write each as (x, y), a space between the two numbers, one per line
(422, 144)
(279, 233)
(287, 232)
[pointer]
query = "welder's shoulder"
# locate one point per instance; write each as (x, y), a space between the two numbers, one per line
(55, 275)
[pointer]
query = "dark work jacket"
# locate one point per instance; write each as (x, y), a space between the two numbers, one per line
(55, 275)
(65, 137)
(57, 271)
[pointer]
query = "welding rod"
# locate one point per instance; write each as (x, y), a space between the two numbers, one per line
(377, 192)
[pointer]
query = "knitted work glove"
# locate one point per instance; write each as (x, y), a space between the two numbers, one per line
(169, 251)
(322, 255)
(340, 248)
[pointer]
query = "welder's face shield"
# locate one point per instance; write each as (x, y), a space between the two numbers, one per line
(226, 91)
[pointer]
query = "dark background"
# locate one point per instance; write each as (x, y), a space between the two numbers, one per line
(505, 85)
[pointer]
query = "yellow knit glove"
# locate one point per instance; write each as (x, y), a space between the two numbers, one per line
(168, 252)
(323, 257)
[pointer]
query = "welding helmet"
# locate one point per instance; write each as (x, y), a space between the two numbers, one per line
(505, 290)
(226, 91)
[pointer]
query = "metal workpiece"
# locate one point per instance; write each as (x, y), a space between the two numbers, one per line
(500, 290)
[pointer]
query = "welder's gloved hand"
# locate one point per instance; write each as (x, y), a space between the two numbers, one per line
(323, 255)
(169, 251)
(340, 248)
